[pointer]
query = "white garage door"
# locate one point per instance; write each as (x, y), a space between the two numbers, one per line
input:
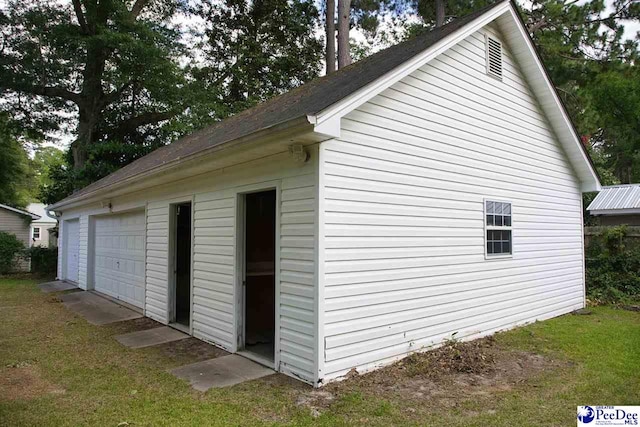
(72, 248)
(119, 256)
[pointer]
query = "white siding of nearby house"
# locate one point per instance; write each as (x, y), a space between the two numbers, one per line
(402, 200)
(215, 198)
(46, 237)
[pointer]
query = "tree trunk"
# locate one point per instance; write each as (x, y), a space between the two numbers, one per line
(87, 123)
(330, 28)
(344, 54)
(439, 13)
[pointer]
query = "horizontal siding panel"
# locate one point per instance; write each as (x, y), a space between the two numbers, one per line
(371, 293)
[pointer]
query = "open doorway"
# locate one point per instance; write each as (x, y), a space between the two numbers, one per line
(181, 315)
(259, 265)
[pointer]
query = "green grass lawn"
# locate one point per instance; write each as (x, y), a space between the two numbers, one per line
(56, 369)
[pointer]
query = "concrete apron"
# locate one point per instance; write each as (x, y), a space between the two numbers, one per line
(97, 310)
(57, 286)
(221, 372)
(150, 337)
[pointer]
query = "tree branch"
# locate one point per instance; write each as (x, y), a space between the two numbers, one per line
(133, 123)
(137, 8)
(50, 91)
(77, 7)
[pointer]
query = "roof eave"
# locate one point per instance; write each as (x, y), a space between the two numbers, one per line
(613, 212)
(299, 123)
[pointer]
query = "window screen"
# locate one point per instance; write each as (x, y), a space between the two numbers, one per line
(498, 228)
(36, 232)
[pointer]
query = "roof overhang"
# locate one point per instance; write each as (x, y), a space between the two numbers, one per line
(20, 211)
(266, 142)
(613, 212)
(509, 22)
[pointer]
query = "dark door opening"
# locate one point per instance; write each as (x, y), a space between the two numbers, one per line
(183, 264)
(260, 262)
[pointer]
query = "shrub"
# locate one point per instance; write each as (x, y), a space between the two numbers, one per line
(11, 249)
(43, 260)
(613, 266)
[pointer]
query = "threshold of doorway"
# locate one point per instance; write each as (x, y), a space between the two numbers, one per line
(180, 327)
(264, 361)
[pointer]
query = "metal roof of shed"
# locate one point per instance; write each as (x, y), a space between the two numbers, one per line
(617, 197)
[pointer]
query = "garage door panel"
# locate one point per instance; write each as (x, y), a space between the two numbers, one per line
(119, 256)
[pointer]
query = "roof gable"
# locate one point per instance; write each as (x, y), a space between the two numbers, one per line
(506, 17)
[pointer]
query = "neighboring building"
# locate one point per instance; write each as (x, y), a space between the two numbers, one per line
(617, 205)
(430, 189)
(43, 230)
(16, 221)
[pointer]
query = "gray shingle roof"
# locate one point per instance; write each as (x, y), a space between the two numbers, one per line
(617, 197)
(307, 99)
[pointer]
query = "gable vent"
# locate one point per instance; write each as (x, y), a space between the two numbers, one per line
(494, 58)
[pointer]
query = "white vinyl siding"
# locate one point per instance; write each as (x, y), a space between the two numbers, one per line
(213, 268)
(404, 189)
(297, 275)
(157, 265)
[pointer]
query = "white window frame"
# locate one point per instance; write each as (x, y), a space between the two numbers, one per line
(39, 233)
(487, 255)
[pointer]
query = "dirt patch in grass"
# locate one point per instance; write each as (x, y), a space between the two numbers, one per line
(23, 381)
(442, 378)
(134, 325)
(190, 350)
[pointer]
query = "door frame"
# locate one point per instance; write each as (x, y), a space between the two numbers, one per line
(171, 282)
(65, 250)
(240, 272)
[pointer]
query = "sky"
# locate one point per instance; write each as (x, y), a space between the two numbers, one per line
(63, 139)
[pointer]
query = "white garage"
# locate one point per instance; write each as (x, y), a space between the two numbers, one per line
(72, 249)
(119, 256)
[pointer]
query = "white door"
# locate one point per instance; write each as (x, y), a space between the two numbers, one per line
(72, 249)
(119, 256)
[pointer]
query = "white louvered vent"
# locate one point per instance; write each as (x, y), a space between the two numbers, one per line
(494, 58)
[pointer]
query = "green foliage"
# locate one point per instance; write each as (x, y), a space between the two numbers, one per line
(15, 173)
(256, 50)
(614, 97)
(43, 260)
(109, 69)
(613, 266)
(63, 181)
(45, 159)
(11, 248)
